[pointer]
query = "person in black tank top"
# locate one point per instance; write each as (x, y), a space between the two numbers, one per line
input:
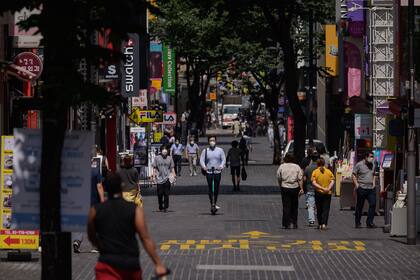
(112, 228)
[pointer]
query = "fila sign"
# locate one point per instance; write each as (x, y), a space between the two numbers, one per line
(169, 118)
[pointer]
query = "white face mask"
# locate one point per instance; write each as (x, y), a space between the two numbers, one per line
(164, 152)
(212, 143)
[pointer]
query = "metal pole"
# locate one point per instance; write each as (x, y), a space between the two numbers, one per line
(411, 156)
(310, 99)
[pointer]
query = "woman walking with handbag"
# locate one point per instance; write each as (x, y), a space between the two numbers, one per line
(130, 181)
(290, 178)
(323, 181)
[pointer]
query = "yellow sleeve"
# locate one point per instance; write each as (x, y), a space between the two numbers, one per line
(314, 175)
(331, 175)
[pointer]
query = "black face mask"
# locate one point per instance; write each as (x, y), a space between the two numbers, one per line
(369, 164)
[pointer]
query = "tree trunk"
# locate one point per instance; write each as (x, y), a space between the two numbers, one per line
(291, 77)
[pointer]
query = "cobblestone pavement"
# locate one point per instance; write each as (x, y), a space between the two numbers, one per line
(245, 240)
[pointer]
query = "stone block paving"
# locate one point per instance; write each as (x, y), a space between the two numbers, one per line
(245, 239)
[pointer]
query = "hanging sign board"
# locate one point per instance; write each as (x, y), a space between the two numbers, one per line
(145, 116)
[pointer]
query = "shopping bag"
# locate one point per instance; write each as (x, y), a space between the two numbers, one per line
(243, 174)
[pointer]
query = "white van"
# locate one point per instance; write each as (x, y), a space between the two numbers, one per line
(229, 114)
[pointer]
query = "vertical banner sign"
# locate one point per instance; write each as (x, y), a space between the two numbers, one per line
(331, 49)
(130, 82)
(75, 179)
(11, 239)
(169, 70)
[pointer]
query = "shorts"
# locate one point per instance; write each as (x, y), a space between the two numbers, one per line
(105, 271)
(235, 170)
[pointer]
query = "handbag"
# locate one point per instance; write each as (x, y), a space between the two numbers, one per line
(243, 174)
(203, 171)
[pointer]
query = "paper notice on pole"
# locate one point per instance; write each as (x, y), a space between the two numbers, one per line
(362, 126)
(75, 179)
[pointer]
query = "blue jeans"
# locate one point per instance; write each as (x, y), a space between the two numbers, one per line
(310, 200)
(370, 196)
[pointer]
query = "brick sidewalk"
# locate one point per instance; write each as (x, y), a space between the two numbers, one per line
(245, 239)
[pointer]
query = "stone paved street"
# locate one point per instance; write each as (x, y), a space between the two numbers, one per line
(245, 240)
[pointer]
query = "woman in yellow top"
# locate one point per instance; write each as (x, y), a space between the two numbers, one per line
(323, 181)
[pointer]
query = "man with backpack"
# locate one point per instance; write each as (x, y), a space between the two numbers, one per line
(212, 162)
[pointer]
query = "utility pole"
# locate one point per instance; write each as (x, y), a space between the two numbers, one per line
(411, 156)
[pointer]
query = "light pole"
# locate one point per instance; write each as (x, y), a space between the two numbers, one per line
(411, 155)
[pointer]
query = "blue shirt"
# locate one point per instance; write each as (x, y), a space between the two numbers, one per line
(215, 158)
(177, 150)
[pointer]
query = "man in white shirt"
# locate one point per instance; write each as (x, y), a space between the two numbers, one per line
(290, 178)
(177, 150)
(191, 152)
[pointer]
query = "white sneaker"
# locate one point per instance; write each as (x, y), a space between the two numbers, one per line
(191, 174)
(195, 174)
(217, 207)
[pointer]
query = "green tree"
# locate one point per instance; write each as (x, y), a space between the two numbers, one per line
(284, 24)
(195, 30)
(67, 27)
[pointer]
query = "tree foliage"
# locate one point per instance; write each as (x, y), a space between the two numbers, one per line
(196, 31)
(277, 42)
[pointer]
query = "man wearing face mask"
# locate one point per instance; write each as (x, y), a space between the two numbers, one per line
(191, 152)
(213, 160)
(364, 181)
(176, 152)
(163, 167)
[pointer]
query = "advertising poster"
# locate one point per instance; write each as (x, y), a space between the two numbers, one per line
(11, 239)
(75, 179)
(137, 137)
(138, 144)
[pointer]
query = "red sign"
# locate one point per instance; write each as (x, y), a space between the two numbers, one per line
(30, 62)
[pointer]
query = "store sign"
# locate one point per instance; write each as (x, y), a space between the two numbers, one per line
(24, 38)
(363, 126)
(30, 62)
(169, 68)
(19, 239)
(169, 118)
(145, 116)
(130, 81)
(111, 72)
